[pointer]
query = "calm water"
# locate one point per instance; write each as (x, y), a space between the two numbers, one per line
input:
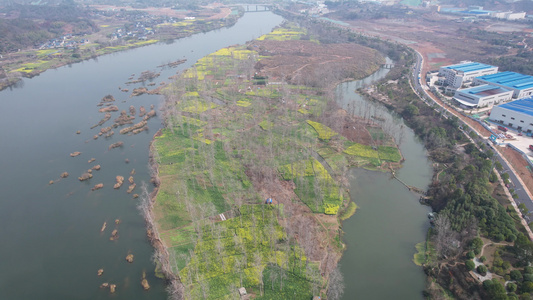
(51, 243)
(382, 234)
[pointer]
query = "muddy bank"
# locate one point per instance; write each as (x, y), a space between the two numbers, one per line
(161, 254)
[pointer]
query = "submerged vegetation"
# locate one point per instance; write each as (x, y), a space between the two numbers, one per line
(231, 141)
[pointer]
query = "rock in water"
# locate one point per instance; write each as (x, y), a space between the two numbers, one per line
(64, 175)
(98, 186)
(109, 108)
(129, 258)
(116, 145)
(145, 284)
(114, 235)
(85, 176)
(73, 154)
(131, 188)
(120, 181)
(100, 272)
(112, 288)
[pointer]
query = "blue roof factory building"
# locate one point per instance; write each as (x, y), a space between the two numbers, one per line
(482, 96)
(521, 85)
(517, 114)
(456, 75)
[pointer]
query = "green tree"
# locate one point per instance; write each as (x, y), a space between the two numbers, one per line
(523, 249)
(516, 275)
(481, 269)
(511, 287)
(411, 110)
(470, 265)
(496, 290)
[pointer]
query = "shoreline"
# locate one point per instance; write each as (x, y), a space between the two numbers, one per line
(11, 80)
(161, 256)
(333, 254)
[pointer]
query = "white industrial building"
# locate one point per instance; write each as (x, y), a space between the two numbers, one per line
(456, 75)
(482, 96)
(521, 85)
(517, 114)
(508, 15)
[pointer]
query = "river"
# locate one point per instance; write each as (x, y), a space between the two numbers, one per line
(52, 246)
(389, 222)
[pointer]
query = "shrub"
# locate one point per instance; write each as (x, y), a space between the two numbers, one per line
(516, 275)
(506, 265)
(498, 237)
(482, 259)
(470, 255)
(527, 287)
(470, 265)
(511, 238)
(528, 270)
(482, 270)
(528, 277)
(511, 287)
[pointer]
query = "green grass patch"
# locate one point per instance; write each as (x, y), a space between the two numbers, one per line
(362, 151)
(280, 284)
(389, 153)
(314, 186)
(348, 211)
(198, 106)
(243, 103)
(266, 125)
(324, 132)
(219, 264)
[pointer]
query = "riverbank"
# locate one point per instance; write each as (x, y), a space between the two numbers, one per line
(62, 108)
(32, 62)
(238, 133)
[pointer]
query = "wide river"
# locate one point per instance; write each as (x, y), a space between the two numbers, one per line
(52, 245)
(51, 240)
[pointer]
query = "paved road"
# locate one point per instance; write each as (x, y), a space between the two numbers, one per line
(516, 183)
(417, 77)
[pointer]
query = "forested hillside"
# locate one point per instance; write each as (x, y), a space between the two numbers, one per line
(24, 26)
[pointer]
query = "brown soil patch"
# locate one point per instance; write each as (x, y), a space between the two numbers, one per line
(352, 128)
(519, 164)
(309, 63)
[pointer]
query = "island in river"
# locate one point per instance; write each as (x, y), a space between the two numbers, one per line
(250, 168)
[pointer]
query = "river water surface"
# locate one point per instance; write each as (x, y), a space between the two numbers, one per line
(389, 222)
(51, 244)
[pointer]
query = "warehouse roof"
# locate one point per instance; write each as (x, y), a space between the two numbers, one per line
(484, 90)
(524, 106)
(510, 79)
(469, 67)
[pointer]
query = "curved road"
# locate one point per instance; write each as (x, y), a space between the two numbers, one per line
(523, 195)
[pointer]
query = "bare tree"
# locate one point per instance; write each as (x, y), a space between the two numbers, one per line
(335, 285)
(446, 239)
